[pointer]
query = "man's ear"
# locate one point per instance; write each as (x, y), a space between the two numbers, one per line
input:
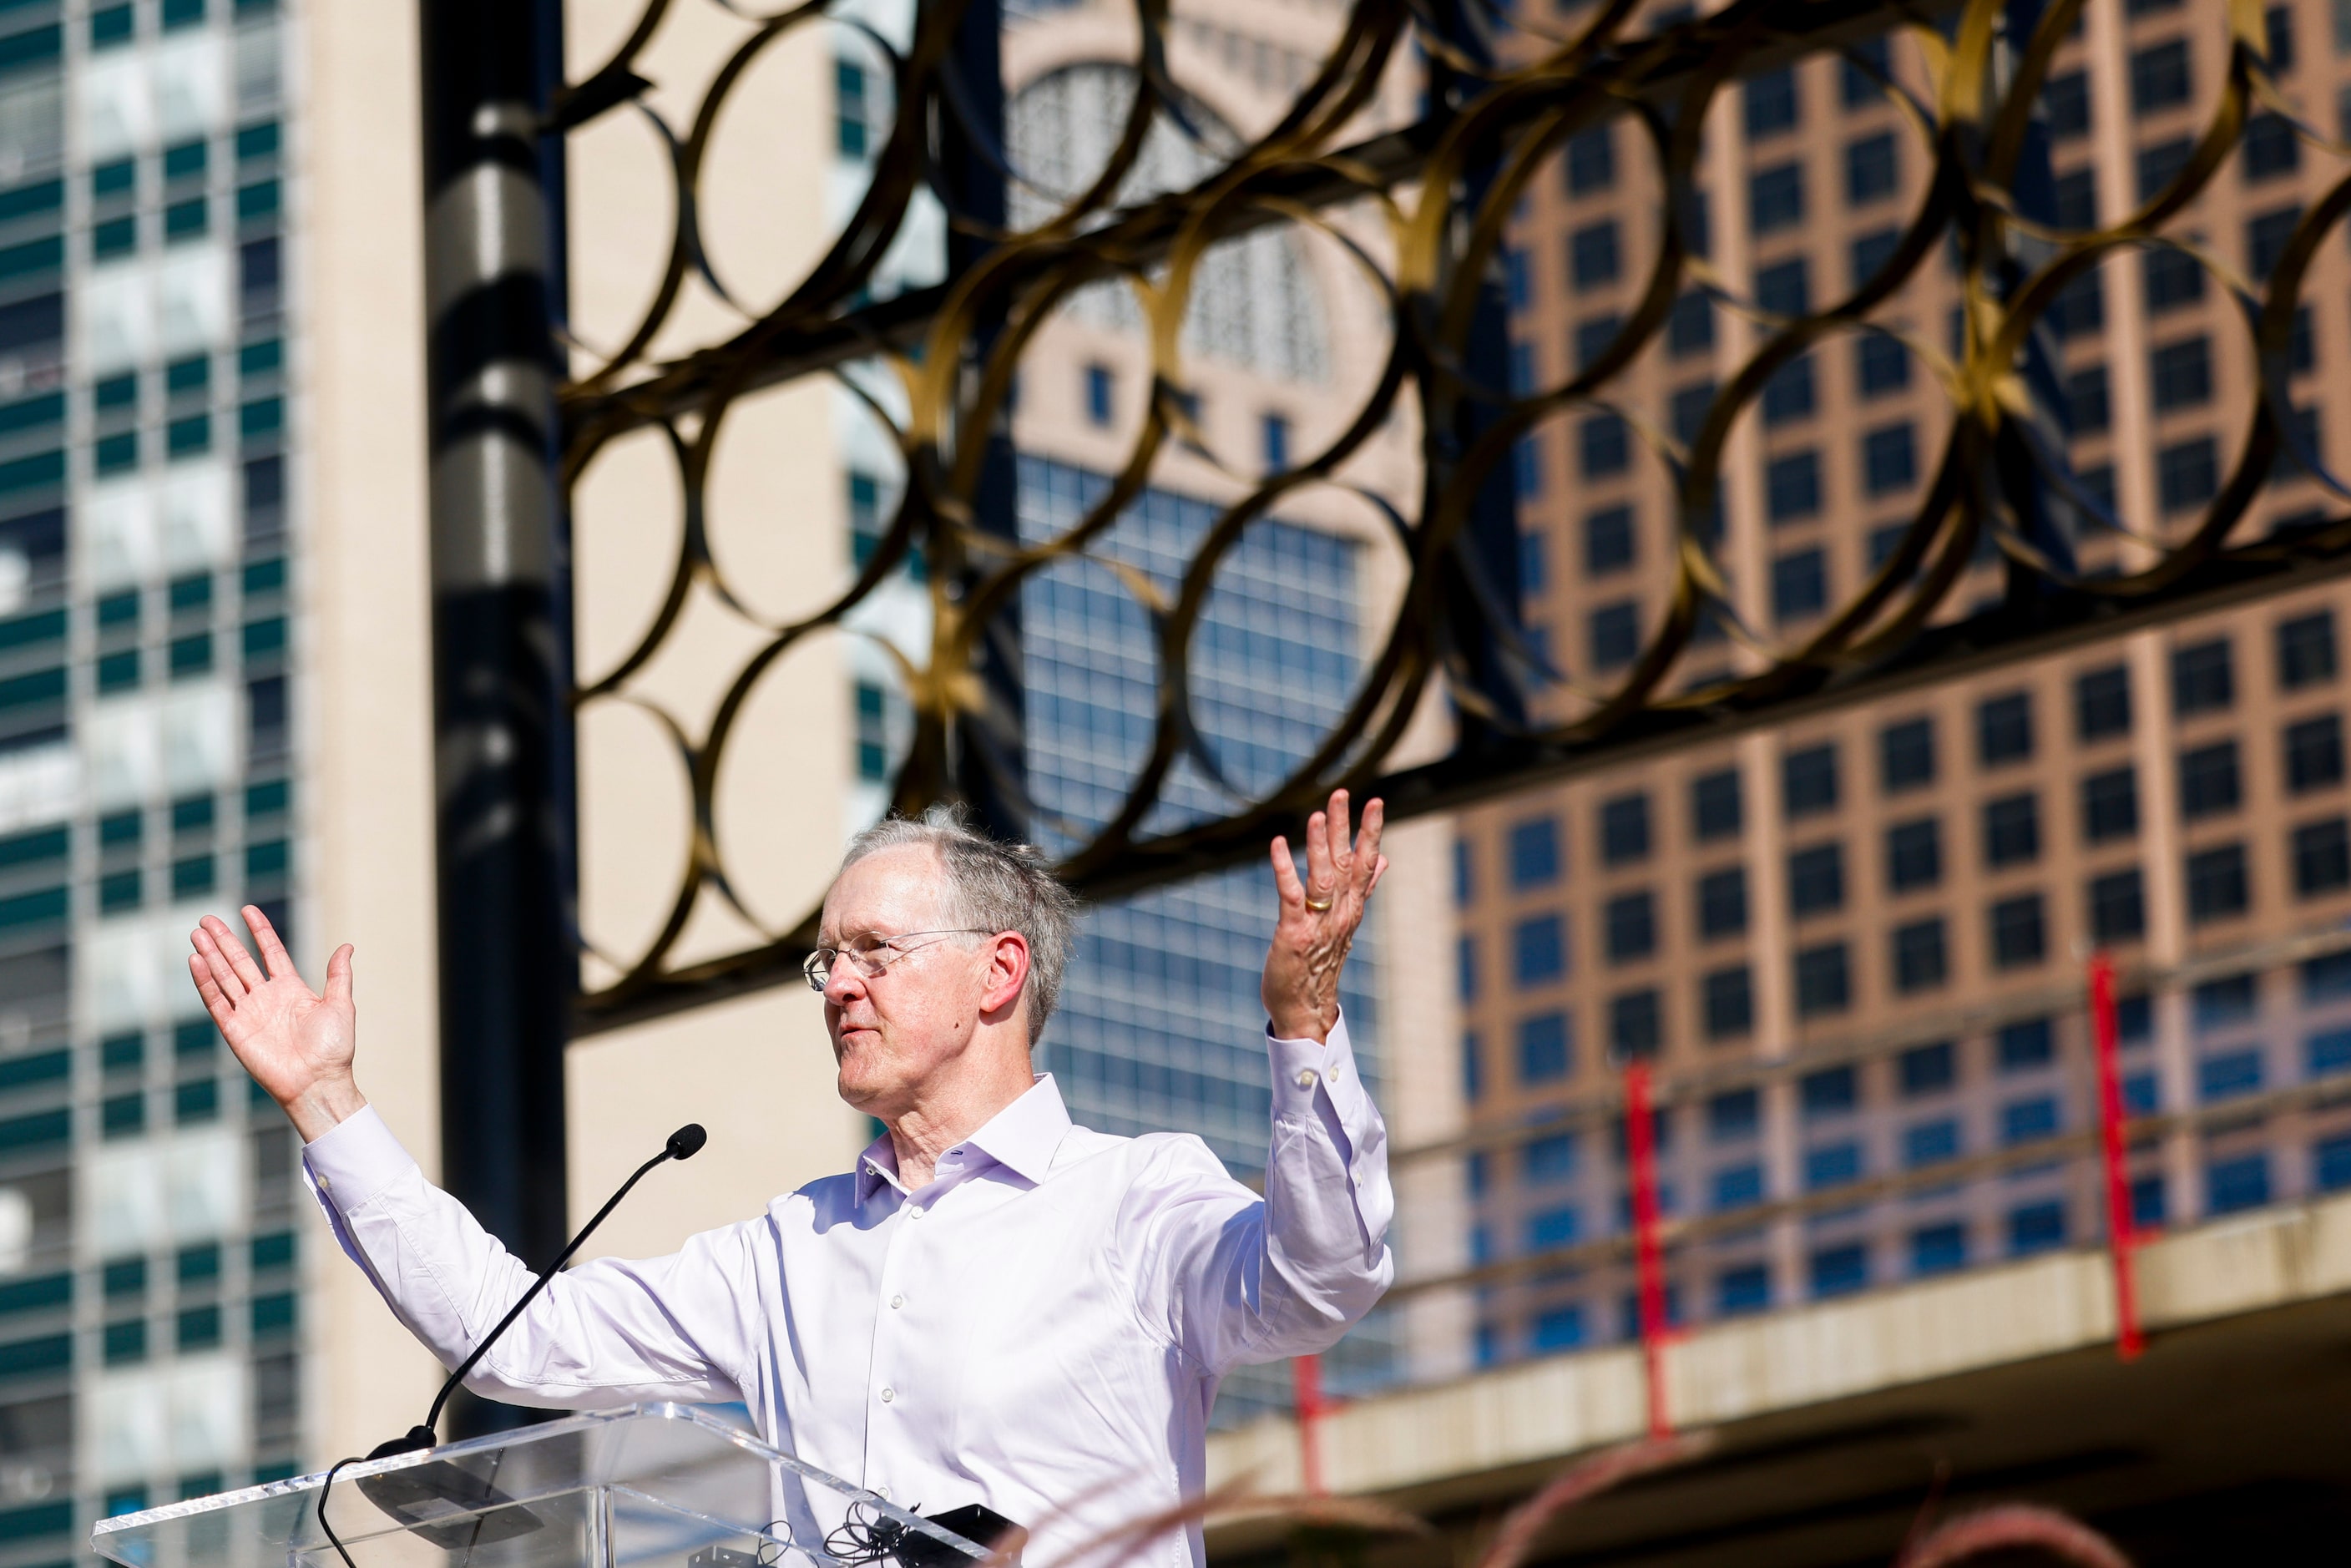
(1007, 970)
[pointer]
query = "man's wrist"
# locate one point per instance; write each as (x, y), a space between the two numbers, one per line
(1310, 1026)
(321, 1108)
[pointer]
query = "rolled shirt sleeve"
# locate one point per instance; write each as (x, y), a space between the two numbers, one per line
(605, 1333)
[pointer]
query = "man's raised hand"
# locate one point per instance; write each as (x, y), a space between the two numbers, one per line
(1319, 918)
(297, 1043)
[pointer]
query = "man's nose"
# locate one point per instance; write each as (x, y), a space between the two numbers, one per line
(842, 983)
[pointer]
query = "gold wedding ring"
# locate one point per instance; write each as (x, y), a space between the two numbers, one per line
(1318, 904)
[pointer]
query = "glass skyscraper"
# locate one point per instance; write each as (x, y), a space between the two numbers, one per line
(147, 1305)
(1160, 1025)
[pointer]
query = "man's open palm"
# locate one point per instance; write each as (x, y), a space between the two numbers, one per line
(297, 1043)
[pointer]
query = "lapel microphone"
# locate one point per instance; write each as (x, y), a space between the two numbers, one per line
(414, 1496)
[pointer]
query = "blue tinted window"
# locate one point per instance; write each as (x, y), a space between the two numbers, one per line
(1830, 1092)
(1465, 968)
(2026, 1045)
(2240, 1183)
(2021, 1121)
(1840, 1271)
(1534, 853)
(1938, 1248)
(2330, 1053)
(1553, 1228)
(2218, 1004)
(1932, 1143)
(2228, 1075)
(1735, 1114)
(2147, 1203)
(1545, 1051)
(1738, 1187)
(2036, 1228)
(2331, 1161)
(1550, 1158)
(1473, 1075)
(2327, 980)
(1742, 1291)
(1559, 1328)
(1538, 950)
(1831, 1164)
(2142, 1094)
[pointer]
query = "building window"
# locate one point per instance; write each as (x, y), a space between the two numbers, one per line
(1538, 950)
(1743, 1291)
(1775, 198)
(2029, 1120)
(1938, 1248)
(1615, 636)
(2025, 1046)
(1632, 923)
(1546, 1049)
(2228, 1075)
(1738, 1187)
(2004, 730)
(1788, 395)
(2102, 703)
(2270, 149)
(2187, 473)
(1690, 329)
(1914, 854)
(1816, 881)
(1634, 1027)
(1926, 1069)
(1465, 968)
(2217, 887)
(1604, 445)
(1592, 161)
(1770, 102)
(1832, 1092)
(1608, 543)
(1593, 256)
(2331, 1164)
(2118, 906)
(1920, 961)
(2266, 237)
(1624, 830)
(1840, 1271)
(1823, 980)
(1881, 365)
(2238, 1183)
(1100, 384)
(2226, 1003)
(2036, 1228)
(1734, 1114)
(1559, 1328)
(2088, 408)
(1808, 781)
(1715, 806)
(2313, 753)
(2011, 830)
(1730, 1003)
(1793, 486)
(2110, 805)
(2208, 780)
(2322, 857)
(1800, 585)
(2077, 204)
(1548, 1160)
(1534, 853)
(1722, 903)
(1873, 170)
(2172, 280)
(2305, 650)
(2159, 77)
(851, 133)
(2181, 373)
(1905, 754)
(1889, 459)
(2018, 936)
(1273, 429)
(2203, 678)
(1785, 287)
(1930, 1143)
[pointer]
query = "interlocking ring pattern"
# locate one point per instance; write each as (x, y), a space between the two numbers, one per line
(1440, 196)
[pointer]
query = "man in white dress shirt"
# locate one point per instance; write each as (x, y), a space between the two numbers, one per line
(995, 1306)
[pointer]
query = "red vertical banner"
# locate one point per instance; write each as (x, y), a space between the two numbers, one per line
(1648, 1253)
(2106, 1031)
(1306, 1394)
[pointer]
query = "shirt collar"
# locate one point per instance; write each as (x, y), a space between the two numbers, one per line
(1022, 1138)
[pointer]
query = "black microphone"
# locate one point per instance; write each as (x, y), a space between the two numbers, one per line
(414, 1496)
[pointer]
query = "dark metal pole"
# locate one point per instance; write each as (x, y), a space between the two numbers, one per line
(493, 199)
(988, 755)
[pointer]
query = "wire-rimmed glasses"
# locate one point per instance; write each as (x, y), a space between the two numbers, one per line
(873, 954)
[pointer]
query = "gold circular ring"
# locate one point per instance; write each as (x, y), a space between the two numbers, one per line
(1318, 905)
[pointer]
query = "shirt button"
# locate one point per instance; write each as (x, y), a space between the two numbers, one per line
(1306, 1078)
(888, 1394)
(882, 1492)
(897, 1301)
(914, 1211)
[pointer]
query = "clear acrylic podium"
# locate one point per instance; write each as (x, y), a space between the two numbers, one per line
(654, 1485)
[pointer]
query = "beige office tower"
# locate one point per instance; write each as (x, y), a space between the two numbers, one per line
(1854, 945)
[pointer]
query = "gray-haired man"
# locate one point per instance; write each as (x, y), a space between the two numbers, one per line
(996, 1306)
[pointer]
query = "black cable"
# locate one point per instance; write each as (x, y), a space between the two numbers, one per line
(865, 1536)
(339, 1549)
(684, 1144)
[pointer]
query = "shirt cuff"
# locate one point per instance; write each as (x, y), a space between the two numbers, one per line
(1305, 1068)
(356, 1159)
